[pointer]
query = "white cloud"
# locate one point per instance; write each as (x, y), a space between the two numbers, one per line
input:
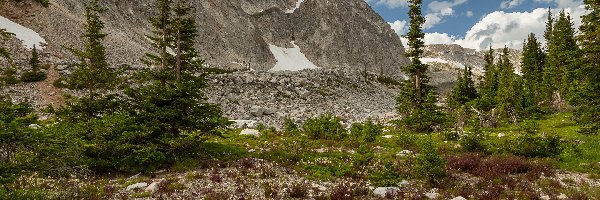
(470, 13)
(510, 29)
(439, 9)
(439, 38)
(399, 26)
(390, 3)
(511, 3)
(431, 20)
(501, 28)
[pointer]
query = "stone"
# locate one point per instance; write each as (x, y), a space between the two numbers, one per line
(383, 191)
(388, 136)
(562, 196)
(269, 111)
(252, 132)
(136, 186)
(34, 126)
(404, 153)
(459, 198)
(545, 197)
(153, 187)
(433, 194)
(257, 111)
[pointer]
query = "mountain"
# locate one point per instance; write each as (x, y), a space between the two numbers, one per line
(233, 33)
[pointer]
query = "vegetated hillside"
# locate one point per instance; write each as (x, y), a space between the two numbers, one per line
(233, 34)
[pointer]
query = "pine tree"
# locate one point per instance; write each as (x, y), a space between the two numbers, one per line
(532, 67)
(464, 91)
(35, 74)
(4, 53)
(417, 101)
(548, 31)
(488, 86)
(562, 61)
(587, 99)
(508, 98)
(461, 97)
(172, 99)
(93, 75)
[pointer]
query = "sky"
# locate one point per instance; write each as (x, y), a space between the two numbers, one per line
(477, 24)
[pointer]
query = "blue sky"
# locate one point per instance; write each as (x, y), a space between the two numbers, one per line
(478, 23)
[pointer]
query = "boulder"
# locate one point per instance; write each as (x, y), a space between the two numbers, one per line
(252, 132)
(459, 198)
(153, 187)
(257, 111)
(136, 186)
(243, 124)
(383, 191)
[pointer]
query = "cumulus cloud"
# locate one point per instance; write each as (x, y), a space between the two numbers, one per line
(439, 38)
(511, 3)
(390, 3)
(510, 29)
(399, 26)
(501, 28)
(439, 9)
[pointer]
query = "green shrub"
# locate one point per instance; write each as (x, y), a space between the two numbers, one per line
(429, 164)
(474, 141)
(385, 177)
(530, 144)
(366, 132)
(289, 126)
(363, 156)
(33, 77)
(324, 127)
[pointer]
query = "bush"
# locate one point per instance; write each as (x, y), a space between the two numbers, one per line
(366, 132)
(429, 164)
(289, 126)
(385, 177)
(33, 77)
(324, 127)
(530, 144)
(474, 141)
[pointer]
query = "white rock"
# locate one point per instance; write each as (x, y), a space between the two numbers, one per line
(404, 153)
(383, 191)
(459, 198)
(433, 194)
(501, 135)
(136, 186)
(34, 126)
(388, 136)
(404, 183)
(252, 132)
(562, 196)
(545, 197)
(153, 187)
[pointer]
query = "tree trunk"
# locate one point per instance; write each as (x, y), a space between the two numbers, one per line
(178, 57)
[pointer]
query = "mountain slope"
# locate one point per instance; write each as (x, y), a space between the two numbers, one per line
(332, 34)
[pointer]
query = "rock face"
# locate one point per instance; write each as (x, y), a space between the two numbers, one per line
(234, 33)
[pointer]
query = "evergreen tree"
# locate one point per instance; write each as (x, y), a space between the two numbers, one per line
(35, 74)
(92, 75)
(170, 98)
(532, 67)
(417, 102)
(4, 53)
(548, 31)
(587, 99)
(461, 97)
(562, 61)
(488, 86)
(508, 97)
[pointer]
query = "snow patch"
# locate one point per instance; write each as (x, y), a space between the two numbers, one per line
(290, 11)
(290, 59)
(26, 35)
(439, 60)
